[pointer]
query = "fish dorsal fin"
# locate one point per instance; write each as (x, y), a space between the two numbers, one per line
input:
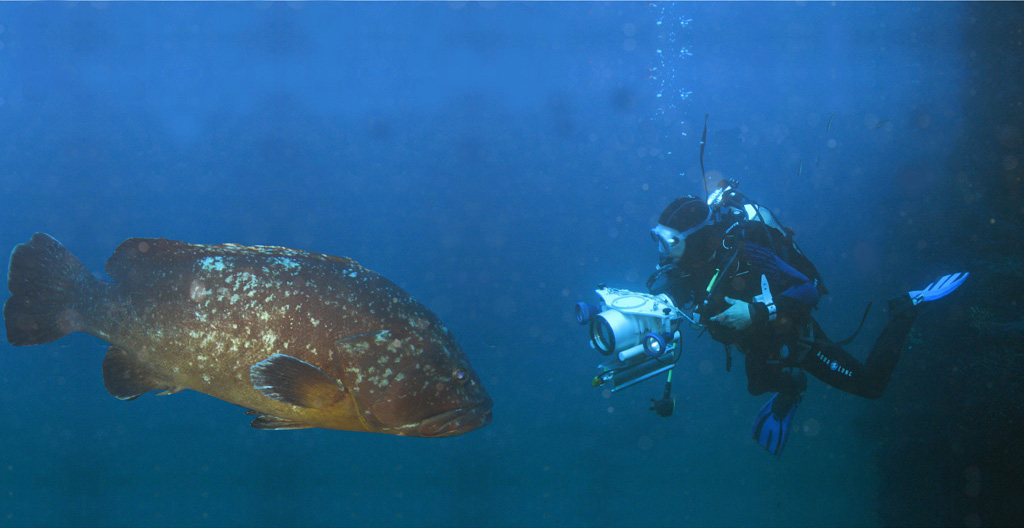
(290, 380)
(127, 378)
(137, 254)
(140, 255)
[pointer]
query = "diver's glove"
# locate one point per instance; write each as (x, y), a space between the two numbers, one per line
(938, 289)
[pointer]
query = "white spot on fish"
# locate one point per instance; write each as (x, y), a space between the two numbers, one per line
(212, 264)
(287, 263)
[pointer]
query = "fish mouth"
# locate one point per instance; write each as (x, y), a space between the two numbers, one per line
(457, 421)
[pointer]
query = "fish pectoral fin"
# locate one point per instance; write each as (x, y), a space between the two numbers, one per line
(127, 378)
(293, 381)
(267, 421)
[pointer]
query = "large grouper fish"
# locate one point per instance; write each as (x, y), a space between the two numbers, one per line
(299, 338)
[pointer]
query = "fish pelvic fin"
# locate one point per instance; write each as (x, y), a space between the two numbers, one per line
(290, 380)
(267, 421)
(51, 290)
(127, 378)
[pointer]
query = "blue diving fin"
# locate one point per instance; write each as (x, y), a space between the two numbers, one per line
(938, 289)
(771, 431)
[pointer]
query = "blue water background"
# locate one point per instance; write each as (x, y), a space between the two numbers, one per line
(497, 161)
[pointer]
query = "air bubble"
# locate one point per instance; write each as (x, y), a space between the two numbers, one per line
(669, 53)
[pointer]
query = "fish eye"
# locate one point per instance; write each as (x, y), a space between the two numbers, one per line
(459, 375)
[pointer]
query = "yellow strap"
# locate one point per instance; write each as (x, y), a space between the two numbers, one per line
(714, 279)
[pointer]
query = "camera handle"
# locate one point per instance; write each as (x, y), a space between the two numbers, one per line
(667, 403)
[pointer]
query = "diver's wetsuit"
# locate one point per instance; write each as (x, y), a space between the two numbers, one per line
(793, 339)
(830, 363)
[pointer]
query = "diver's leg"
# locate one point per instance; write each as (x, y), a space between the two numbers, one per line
(838, 368)
(885, 354)
(828, 362)
(764, 375)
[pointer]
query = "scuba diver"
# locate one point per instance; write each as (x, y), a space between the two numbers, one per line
(729, 261)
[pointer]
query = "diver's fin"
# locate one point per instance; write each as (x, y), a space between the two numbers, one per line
(938, 289)
(267, 421)
(770, 431)
(295, 382)
(127, 378)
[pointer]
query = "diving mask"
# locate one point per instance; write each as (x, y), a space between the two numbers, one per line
(671, 242)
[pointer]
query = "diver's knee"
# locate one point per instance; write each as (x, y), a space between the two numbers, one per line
(756, 387)
(872, 392)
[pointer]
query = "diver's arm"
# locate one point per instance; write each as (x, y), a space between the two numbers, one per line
(798, 297)
(794, 303)
(742, 315)
(803, 292)
(788, 309)
(738, 316)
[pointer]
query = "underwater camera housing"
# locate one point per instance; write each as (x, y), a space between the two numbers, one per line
(638, 330)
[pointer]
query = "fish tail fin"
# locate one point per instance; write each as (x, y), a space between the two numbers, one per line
(49, 287)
